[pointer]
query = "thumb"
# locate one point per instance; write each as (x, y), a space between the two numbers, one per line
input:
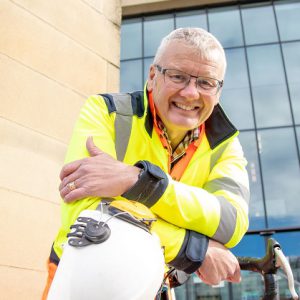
(91, 147)
(236, 277)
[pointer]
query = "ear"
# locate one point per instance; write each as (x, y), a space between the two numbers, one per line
(217, 100)
(151, 75)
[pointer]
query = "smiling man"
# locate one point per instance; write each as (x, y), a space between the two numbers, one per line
(186, 82)
(181, 158)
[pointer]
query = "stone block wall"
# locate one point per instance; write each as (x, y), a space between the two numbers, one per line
(53, 55)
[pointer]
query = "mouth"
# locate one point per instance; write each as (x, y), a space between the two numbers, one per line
(185, 107)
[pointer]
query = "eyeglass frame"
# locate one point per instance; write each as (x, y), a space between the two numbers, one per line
(164, 70)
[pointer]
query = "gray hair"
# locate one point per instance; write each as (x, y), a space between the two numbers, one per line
(206, 45)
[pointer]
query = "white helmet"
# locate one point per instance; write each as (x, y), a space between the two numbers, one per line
(108, 258)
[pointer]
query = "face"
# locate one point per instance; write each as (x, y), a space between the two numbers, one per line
(183, 109)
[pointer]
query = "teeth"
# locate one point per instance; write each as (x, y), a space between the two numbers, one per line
(185, 107)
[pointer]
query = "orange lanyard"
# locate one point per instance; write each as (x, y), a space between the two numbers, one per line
(183, 162)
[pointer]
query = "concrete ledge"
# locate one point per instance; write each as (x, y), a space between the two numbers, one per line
(135, 7)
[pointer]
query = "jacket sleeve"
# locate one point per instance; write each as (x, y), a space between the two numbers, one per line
(94, 120)
(218, 210)
(184, 249)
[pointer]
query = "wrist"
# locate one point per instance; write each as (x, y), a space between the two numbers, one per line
(150, 186)
(192, 253)
(132, 175)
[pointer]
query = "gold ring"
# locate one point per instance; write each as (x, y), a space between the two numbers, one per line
(71, 186)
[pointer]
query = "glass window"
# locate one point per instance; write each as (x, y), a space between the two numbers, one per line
(280, 169)
(235, 96)
(251, 287)
(237, 105)
(256, 207)
(268, 86)
(191, 19)
(131, 39)
(298, 135)
(288, 17)
(155, 28)
(251, 245)
(147, 63)
(259, 25)
(236, 73)
(291, 52)
(195, 289)
(131, 75)
(221, 23)
(290, 243)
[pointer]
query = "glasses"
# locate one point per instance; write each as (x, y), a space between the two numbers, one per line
(205, 85)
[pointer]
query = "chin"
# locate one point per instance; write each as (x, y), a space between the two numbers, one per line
(183, 122)
(186, 127)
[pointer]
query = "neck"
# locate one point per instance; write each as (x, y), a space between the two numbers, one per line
(175, 138)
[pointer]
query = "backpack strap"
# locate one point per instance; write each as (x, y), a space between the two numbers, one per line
(121, 103)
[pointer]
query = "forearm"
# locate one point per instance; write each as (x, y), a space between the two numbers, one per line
(220, 214)
(184, 250)
(219, 211)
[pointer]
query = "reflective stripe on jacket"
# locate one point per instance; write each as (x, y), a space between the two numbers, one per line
(212, 195)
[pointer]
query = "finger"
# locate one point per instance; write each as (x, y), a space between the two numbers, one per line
(64, 191)
(72, 177)
(213, 280)
(210, 278)
(236, 277)
(75, 195)
(91, 147)
(66, 188)
(69, 168)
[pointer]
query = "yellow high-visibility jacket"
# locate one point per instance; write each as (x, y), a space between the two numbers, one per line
(210, 200)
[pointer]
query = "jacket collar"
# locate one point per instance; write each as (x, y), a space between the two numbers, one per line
(218, 127)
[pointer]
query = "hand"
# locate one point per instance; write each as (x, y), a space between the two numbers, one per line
(219, 264)
(99, 175)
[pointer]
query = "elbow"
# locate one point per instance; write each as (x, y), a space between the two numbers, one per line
(240, 230)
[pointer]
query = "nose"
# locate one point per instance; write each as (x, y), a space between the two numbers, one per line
(190, 91)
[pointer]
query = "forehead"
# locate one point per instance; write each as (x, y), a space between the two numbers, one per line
(189, 59)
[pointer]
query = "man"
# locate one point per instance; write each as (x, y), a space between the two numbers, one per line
(183, 159)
